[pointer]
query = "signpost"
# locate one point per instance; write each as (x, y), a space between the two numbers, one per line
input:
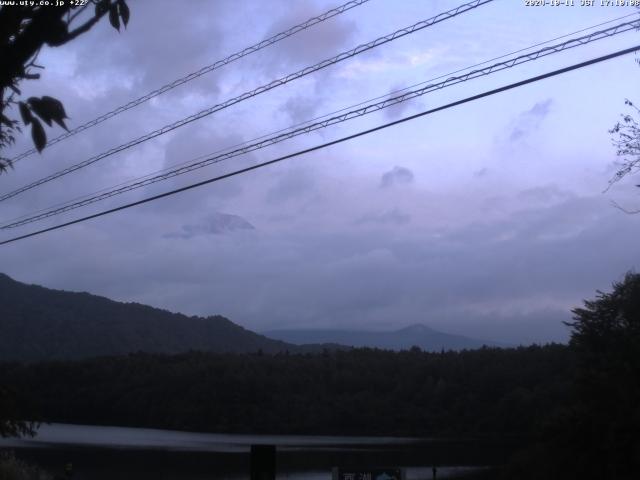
(340, 473)
(263, 462)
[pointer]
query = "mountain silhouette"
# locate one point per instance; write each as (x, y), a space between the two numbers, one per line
(38, 323)
(417, 335)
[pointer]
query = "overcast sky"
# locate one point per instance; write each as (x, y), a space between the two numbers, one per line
(488, 219)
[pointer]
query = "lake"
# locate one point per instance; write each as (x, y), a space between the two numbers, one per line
(100, 453)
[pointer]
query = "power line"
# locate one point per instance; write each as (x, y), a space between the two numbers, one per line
(370, 108)
(204, 70)
(333, 142)
(262, 89)
(386, 95)
(148, 180)
(325, 115)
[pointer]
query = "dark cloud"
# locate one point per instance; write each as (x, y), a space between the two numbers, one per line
(313, 45)
(396, 176)
(189, 146)
(158, 30)
(397, 110)
(215, 224)
(300, 108)
(483, 172)
(291, 184)
(530, 120)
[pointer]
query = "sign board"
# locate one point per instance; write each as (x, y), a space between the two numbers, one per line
(340, 473)
(263, 462)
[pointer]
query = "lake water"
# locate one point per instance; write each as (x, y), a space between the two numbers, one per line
(100, 453)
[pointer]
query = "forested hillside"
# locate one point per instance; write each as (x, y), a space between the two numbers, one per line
(37, 323)
(364, 391)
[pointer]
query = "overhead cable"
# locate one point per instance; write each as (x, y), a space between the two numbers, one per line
(204, 70)
(333, 142)
(262, 89)
(359, 112)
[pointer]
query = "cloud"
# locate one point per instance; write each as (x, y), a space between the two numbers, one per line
(482, 172)
(397, 110)
(530, 120)
(396, 176)
(510, 278)
(385, 217)
(157, 31)
(544, 194)
(312, 45)
(292, 184)
(300, 108)
(373, 62)
(216, 224)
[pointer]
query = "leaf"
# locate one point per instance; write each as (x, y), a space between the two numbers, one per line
(123, 8)
(40, 109)
(38, 135)
(101, 7)
(25, 113)
(113, 17)
(54, 110)
(55, 32)
(49, 108)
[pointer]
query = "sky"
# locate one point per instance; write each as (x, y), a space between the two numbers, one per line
(489, 219)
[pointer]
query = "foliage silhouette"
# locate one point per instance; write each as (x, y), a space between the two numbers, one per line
(606, 339)
(488, 391)
(595, 435)
(26, 29)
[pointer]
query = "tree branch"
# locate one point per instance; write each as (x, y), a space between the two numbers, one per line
(83, 28)
(619, 207)
(80, 10)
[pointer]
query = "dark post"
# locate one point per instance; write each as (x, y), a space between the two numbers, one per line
(263, 462)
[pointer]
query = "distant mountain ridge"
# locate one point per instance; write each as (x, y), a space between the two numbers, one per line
(38, 323)
(418, 335)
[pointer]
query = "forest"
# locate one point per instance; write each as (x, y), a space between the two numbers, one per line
(362, 391)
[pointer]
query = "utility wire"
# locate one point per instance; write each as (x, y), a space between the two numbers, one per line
(325, 115)
(204, 70)
(370, 108)
(333, 142)
(262, 89)
(386, 95)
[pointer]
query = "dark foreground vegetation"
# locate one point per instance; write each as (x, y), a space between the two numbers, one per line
(12, 468)
(359, 392)
(575, 407)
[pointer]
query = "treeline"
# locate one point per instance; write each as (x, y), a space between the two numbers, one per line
(362, 391)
